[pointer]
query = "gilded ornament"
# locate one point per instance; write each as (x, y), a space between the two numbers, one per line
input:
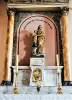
(37, 75)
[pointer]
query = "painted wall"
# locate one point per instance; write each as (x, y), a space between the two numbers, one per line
(3, 31)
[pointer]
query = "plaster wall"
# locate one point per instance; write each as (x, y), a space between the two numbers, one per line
(3, 32)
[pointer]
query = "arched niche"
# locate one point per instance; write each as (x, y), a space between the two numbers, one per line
(25, 31)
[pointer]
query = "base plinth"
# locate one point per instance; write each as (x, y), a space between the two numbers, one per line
(67, 83)
(5, 82)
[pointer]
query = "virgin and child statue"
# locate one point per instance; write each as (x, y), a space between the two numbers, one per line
(38, 42)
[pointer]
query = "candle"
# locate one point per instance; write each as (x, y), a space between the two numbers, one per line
(16, 63)
(57, 59)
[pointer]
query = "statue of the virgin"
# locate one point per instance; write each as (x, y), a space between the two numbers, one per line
(38, 42)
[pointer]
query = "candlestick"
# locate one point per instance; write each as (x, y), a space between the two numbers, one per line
(59, 85)
(17, 63)
(58, 75)
(57, 58)
(15, 88)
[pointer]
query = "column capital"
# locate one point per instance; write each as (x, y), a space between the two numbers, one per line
(11, 12)
(65, 11)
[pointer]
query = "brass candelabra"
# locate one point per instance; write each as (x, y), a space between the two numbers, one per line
(15, 90)
(58, 76)
(59, 86)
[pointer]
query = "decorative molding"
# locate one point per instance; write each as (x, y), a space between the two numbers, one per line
(65, 11)
(36, 6)
(37, 1)
(11, 12)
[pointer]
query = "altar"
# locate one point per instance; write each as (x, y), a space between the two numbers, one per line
(49, 75)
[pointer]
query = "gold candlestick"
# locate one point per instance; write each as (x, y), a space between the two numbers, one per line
(59, 87)
(58, 74)
(15, 88)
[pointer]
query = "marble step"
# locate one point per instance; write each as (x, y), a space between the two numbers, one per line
(33, 90)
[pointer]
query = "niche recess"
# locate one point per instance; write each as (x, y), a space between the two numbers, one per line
(25, 24)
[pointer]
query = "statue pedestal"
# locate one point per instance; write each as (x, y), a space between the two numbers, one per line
(37, 61)
(49, 75)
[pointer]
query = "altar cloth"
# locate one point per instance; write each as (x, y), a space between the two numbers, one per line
(35, 97)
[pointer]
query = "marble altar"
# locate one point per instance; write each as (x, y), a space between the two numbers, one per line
(49, 75)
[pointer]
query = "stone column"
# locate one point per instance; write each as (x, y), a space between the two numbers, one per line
(9, 47)
(65, 44)
(70, 35)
